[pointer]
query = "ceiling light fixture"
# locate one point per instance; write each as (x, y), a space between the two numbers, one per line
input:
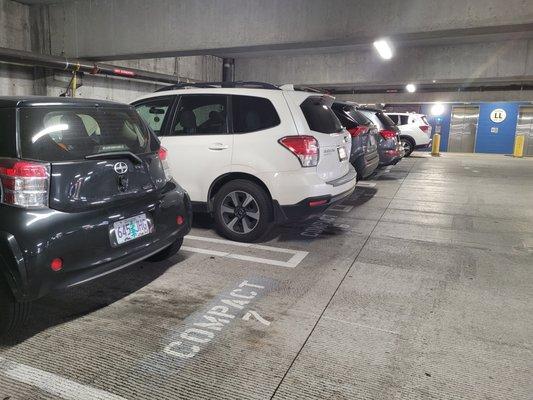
(384, 49)
(411, 88)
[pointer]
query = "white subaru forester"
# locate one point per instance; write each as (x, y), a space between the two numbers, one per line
(252, 154)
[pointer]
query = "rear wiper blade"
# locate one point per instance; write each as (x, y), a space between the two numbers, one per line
(115, 154)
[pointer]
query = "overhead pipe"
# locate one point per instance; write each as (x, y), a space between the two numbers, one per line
(21, 57)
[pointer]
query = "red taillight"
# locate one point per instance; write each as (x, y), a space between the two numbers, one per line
(424, 128)
(358, 130)
(56, 264)
(303, 147)
(387, 134)
(180, 220)
(24, 183)
(163, 153)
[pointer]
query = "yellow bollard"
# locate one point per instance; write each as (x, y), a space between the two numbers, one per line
(519, 146)
(435, 146)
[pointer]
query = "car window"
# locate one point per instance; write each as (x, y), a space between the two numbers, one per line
(404, 120)
(425, 120)
(371, 115)
(385, 120)
(320, 117)
(393, 117)
(72, 133)
(7, 133)
(154, 112)
(201, 114)
(252, 114)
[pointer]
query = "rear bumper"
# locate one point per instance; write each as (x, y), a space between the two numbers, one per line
(389, 157)
(313, 206)
(424, 146)
(366, 164)
(30, 240)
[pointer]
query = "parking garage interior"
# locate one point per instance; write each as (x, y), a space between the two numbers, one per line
(417, 284)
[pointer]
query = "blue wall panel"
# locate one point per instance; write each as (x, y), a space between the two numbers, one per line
(496, 137)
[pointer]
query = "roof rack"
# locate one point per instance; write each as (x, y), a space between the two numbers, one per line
(207, 85)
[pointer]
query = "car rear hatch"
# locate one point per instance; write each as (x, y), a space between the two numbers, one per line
(334, 141)
(97, 156)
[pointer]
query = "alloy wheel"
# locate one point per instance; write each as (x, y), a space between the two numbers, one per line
(240, 212)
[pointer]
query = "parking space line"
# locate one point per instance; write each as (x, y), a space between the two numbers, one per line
(52, 383)
(297, 255)
(366, 184)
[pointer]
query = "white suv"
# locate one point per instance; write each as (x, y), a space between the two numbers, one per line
(415, 130)
(252, 154)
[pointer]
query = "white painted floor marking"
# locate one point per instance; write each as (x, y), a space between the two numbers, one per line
(297, 255)
(366, 184)
(53, 384)
(341, 208)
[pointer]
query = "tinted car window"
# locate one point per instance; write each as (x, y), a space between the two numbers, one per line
(393, 117)
(349, 116)
(404, 119)
(201, 114)
(72, 133)
(155, 112)
(7, 133)
(320, 117)
(252, 114)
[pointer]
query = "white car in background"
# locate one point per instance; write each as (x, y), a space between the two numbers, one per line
(415, 130)
(252, 154)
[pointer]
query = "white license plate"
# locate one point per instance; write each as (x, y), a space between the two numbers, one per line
(132, 228)
(342, 153)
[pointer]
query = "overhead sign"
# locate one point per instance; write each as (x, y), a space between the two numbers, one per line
(498, 115)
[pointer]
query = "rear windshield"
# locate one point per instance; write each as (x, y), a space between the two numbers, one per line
(385, 120)
(320, 117)
(72, 133)
(349, 116)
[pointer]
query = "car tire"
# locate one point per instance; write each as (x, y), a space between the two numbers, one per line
(167, 252)
(408, 146)
(243, 211)
(13, 314)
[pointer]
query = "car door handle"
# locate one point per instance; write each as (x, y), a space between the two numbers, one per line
(218, 146)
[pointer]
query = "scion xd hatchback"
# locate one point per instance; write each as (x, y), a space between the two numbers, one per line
(252, 154)
(84, 191)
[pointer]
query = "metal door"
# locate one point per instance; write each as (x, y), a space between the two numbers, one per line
(463, 129)
(524, 126)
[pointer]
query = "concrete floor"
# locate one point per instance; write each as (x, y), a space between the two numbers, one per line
(418, 287)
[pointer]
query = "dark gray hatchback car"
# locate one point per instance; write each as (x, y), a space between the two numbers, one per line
(84, 191)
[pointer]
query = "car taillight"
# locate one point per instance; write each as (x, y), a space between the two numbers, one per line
(354, 132)
(24, 183)
(303, 147)
(163, 154)
(424, 128)
(387, 134)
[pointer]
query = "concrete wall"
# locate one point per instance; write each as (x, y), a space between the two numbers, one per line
(26, 28)
(15, 33)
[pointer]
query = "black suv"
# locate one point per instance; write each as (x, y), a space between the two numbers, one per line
(85, 190)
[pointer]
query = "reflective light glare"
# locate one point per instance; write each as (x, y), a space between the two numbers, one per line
(437, 109)
(384, 49)
(410, 88)
(50, 129)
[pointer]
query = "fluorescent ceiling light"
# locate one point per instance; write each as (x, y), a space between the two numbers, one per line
(410, 88)
(384, 49)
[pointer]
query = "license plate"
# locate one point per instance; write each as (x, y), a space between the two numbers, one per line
(342, 153)
(132, 228)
